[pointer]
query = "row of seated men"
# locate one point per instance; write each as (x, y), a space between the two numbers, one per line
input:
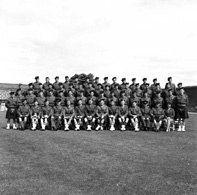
(91, 116)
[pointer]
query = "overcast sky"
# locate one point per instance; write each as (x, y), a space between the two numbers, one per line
(125, 38)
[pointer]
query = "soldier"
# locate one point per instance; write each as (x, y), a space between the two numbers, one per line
(169, 117)
(68, 114)
(96, 82)
(132, 86)
(148, 90)
(123, 115)
(158, 99)
(143, 85)
(19, 98)
(46, 115)
(172, 85)
(66, 85)
(114, 80)
(94, 99)
(30, 98)
(101, 114)
(73, 90)
(135, 115)
(170, 98)
(158, 89)
(56, 115)
(35, 114)
(82, 97)
(113, 115)
(61, 88)
(36, 86)
(128, 91)
(56, 86)
(80, 89)
(79, 115)
(41, 99)
(11, 114)
(157, 114)
(99, 90)
(153, 86)
(177, 91)
(138, 90)
(105, 82)
(51, 98)
(134, 98)
(123, 85)
(62, 98)
(117, 91)
(23, 114)
(114, 98)
(71, 98)
(145, 97)
(47, 92)
(102, 97)
(86, 84)
(90, 115)
(46, 85)
(90, 88)
(145, 110)
(181, 109)
(107, 92)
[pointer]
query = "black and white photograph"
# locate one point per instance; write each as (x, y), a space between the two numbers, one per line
(98, 97)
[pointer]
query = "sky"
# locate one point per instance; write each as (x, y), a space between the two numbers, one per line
(138, 38)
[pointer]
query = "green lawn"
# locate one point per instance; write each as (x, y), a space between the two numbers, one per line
(99, 163)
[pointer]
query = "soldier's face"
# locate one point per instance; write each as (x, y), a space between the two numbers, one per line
(90, 102)
(47, 103)
(24, 102)
(102, 102)
(47, 80)
(68, 103)
(112, 103)
(80, 102)
(41, 94)
(35, 103)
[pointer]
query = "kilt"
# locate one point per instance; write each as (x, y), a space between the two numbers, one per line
(182, 112)
(11, 113)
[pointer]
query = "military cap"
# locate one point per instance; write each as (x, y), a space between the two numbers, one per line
(170, 89)
(127, 83)
(102, 99)
(69, 90)
(157, 84)
(61, 91)
(60, 83)
(99, 84)
(147, 84)
(114, 78)
(96, 78)
(90, 83)
(46, 100)
(50, 90)
(37, 77)
(92, 90)
(155, 79)
(58, 100)
(79, 99)
(123, 79)
(145, 102)
(30, 89)
(11, 93)
(30, 84)
(116, 84)
(70, 84)
(144, 79)
(105, 78)
(56, 77)
(122, 99)
(40, 83)
(41, 91)
(133, 79)
(137, 84)
(179, 84)
(122, 92)
(107, 86)
(50, 84)
(169, 78)
(66, 77)
(101, 92)
(47, 78)
(181, 88)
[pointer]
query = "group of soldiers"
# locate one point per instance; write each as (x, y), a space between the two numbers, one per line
(92, 105)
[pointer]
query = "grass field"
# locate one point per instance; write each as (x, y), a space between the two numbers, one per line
(98, 163)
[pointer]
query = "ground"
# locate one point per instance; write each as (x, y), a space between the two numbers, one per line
(98, 163)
